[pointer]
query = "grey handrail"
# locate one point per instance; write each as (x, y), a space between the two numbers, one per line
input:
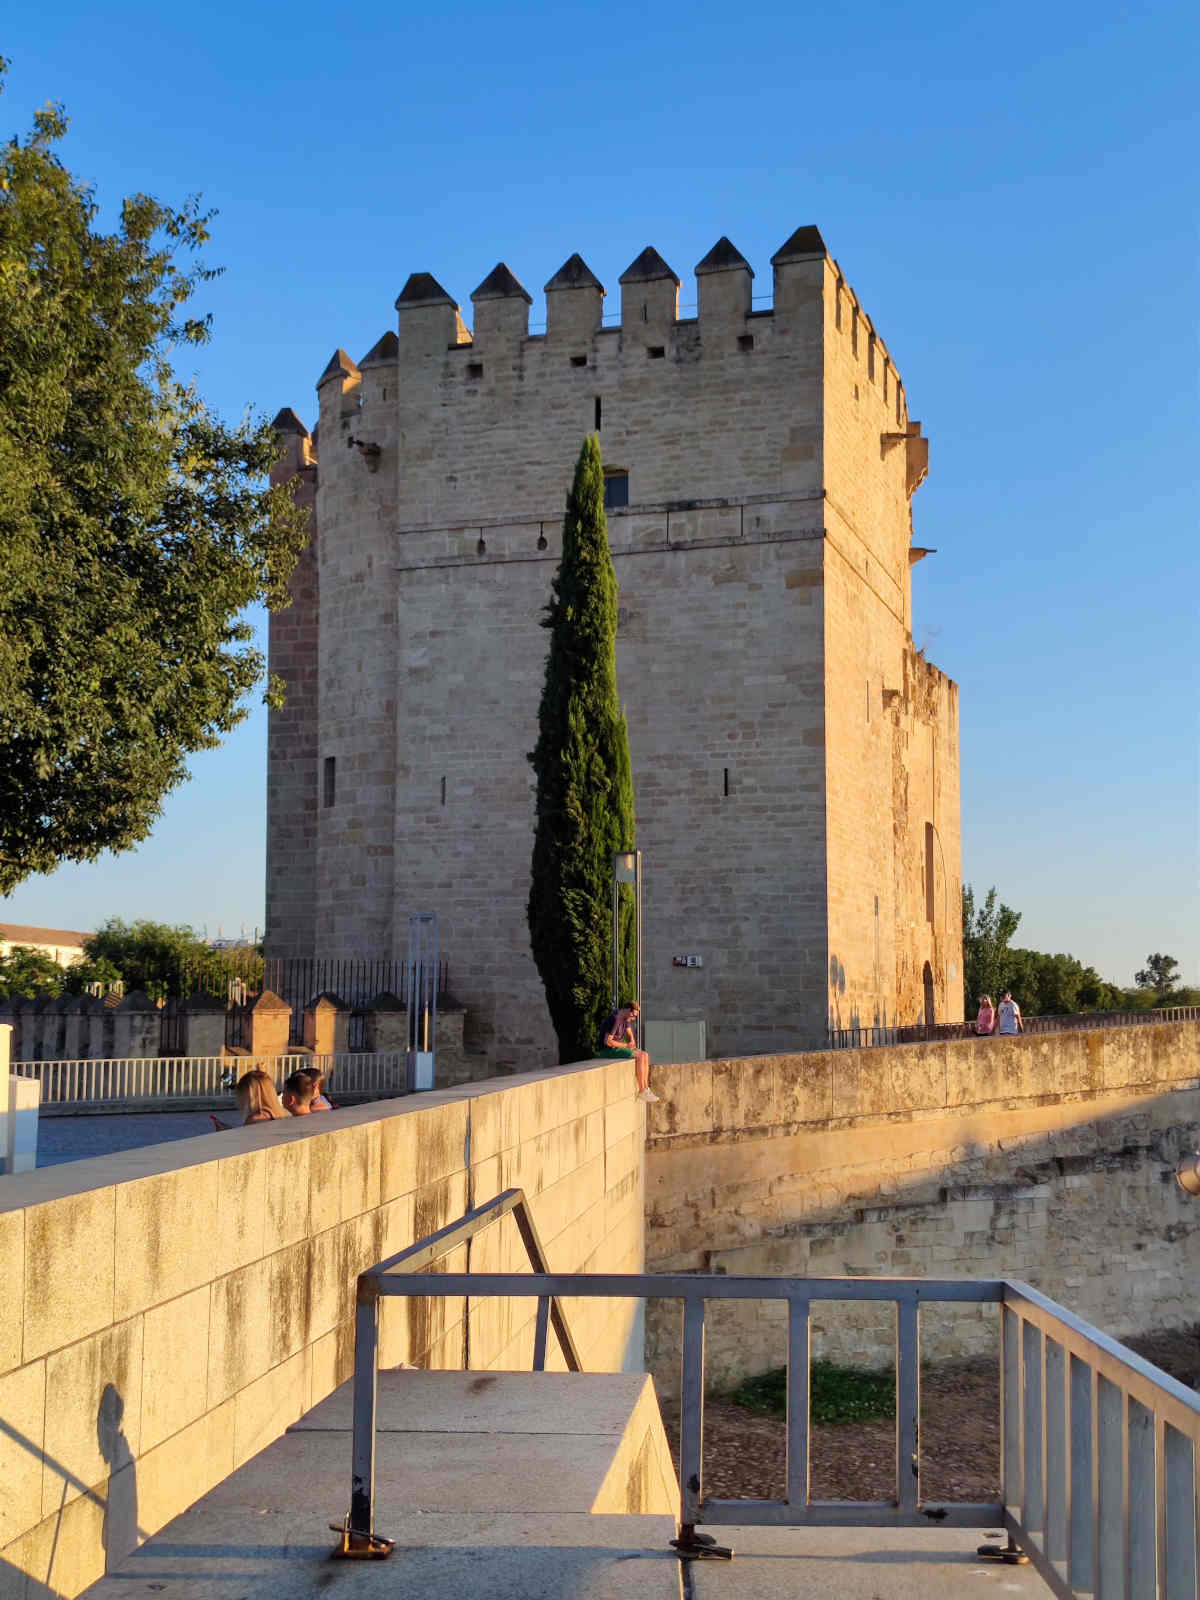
(391, 1277)
(1100, 1449)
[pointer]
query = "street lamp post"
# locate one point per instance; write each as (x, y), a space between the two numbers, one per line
(627, 868)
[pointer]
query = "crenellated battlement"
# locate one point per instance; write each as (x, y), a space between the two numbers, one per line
(433, 341)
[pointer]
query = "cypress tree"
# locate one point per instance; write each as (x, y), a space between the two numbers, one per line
(584, 779)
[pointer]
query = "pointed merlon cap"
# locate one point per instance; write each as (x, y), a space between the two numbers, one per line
(340, 366)
(288, 422)
(724, 257)
(648, 268)
(422, 289)
(804, 244)
(500, 284)
(574, 274)
(382, 351)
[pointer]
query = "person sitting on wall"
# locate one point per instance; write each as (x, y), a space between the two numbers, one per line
(985, 1022)
(298, 1093)
(256, 1097)
(320, 1100)
(620, 1044)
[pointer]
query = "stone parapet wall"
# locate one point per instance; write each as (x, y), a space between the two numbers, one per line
(1047, 1158)
(167, 1312)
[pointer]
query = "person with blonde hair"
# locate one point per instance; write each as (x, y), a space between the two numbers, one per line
(985, 1022)
(256, 1097)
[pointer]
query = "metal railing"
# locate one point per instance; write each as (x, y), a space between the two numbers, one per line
(1100, 1454)
(99, 1084)
(355, 981)
(864, 1038)
(393, 1277)
(1099, 1448)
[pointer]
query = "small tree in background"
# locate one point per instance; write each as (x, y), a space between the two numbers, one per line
(164, 959)
(584, 800)
(987, 931)
(1161, 974)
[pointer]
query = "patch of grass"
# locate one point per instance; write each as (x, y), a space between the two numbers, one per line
(837, 1394)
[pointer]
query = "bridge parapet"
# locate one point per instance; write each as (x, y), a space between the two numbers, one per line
(169, 1311)
(1044, 1157)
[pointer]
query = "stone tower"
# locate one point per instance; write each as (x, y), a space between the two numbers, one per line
(795, 758)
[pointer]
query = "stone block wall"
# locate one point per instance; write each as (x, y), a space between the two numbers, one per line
(169, 1311)
(785, 764)
(1048, 1158)
(293, 777)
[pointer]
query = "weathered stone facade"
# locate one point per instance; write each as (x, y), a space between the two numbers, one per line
(795, 760)
(1044, 1157)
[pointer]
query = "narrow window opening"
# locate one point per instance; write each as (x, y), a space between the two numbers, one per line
(645, 312)
(656, 351)
(898, 399)
(597, 422)
(616, 488)
(837, 305)
(871, 357)
(579, 361)
(868, 699)
(726, 781)
(443, 788)
(886, 365)
(854, 332)
(330, 780)
(385, 394)
(929, 898)
(745, 341)
(474, 369)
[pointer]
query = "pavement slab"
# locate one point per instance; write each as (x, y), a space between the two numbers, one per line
(858, 1564)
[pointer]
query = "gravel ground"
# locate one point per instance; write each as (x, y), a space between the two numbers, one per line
(745, 1453)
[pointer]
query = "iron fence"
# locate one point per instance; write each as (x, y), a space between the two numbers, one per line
(172, 1029)
(238, 1026)
(355, 982)
(862, 1038)
(1098, 1452)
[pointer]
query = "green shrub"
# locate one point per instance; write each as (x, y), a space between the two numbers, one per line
(836, 1394)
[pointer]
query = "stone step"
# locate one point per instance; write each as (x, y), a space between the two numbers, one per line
(497, 1484)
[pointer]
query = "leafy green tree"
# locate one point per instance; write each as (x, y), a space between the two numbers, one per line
(584, 803)
(1056, 985)
(135, 527)
(28, 972)
(1161, 973)
(987, 932)
(163, 959)
(1180, 997)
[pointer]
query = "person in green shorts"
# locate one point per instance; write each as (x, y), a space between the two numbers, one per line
(620, 1043)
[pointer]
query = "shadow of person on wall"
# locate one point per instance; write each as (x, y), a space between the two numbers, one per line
(120, 1531)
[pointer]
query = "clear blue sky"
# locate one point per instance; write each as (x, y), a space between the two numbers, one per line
(1010, 191)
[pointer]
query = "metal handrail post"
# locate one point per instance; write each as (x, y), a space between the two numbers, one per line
(366, 1387)
(523, 1217)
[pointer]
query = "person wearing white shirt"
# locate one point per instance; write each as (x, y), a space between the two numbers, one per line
(1008, 1016)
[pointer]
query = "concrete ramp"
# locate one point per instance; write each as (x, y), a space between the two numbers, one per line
(499, 1484)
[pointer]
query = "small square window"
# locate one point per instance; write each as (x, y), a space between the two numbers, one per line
(616, 490)
(656, 352)
(474, 369)
(745, 341)
(579, 361)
